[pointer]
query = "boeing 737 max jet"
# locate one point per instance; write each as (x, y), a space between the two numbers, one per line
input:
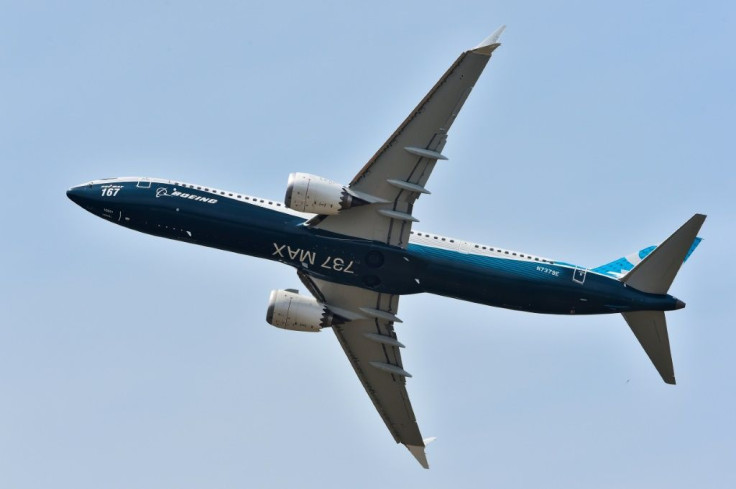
(354, 249)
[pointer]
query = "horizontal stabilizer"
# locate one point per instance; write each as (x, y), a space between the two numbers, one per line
(655, 273)
(650, 328)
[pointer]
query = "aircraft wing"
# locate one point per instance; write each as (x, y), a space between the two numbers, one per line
(370, 343)
(397, 174)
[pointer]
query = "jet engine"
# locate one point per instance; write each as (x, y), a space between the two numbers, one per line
(289, 310)
(317, 195)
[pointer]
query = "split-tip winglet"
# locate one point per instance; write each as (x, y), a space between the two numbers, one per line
(418, 451)
(419, 454)
(489, 43)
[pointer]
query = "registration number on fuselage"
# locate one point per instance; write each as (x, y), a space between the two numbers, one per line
(549, 271)
(307, 257)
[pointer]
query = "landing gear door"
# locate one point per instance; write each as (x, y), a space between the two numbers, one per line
(579, 275)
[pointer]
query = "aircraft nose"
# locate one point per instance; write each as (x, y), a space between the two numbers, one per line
(84, 195)
(75, 194)
(679, 304)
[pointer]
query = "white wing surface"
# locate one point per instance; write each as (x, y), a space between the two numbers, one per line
(370, 343)
(389, 184)
(397, 174)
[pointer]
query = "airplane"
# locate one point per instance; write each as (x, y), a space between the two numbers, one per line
(355, 250)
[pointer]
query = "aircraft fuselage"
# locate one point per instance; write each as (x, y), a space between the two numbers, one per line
(433, 264)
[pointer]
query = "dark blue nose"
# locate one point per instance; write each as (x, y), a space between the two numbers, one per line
(77, 194)
(86, 196)
(72, 194)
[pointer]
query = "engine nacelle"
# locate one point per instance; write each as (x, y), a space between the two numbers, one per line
(289, 310)
(317, 195)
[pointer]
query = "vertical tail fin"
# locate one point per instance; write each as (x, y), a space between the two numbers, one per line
(654, 274)
(621, 266)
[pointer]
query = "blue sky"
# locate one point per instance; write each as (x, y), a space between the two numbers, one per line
(132, 361)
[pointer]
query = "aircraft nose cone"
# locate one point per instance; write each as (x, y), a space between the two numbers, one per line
(83, 195)
(679, 304)
(75, 195)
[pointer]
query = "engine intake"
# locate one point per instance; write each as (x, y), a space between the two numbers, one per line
(317, 195)
(289, 310)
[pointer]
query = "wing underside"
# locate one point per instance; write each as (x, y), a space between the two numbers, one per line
(397, 174)
(387, 186)
(369, 341)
